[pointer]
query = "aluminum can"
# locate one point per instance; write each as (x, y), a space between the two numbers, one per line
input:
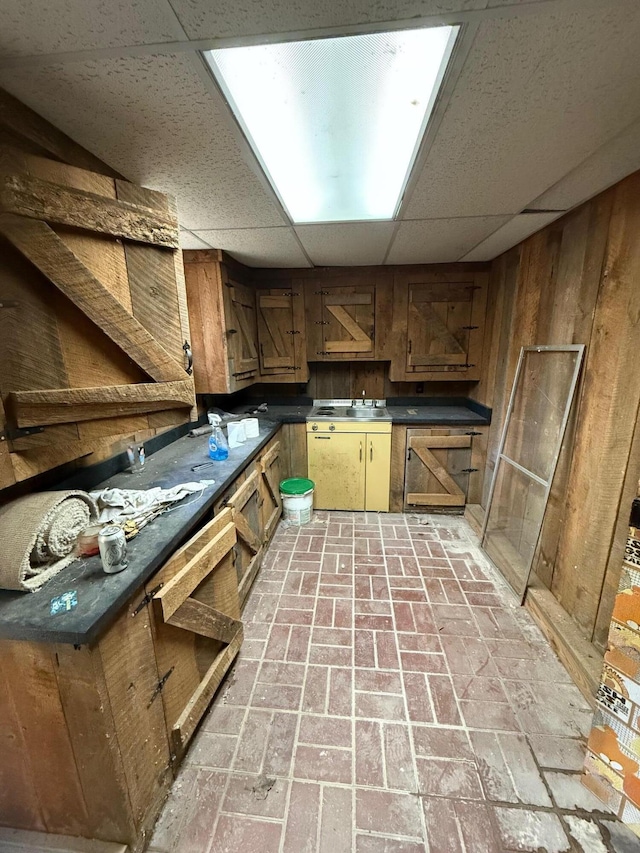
(113, 549)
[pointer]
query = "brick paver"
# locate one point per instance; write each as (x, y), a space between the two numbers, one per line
(390, 697)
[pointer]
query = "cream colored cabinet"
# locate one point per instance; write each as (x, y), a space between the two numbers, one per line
(378, 452)
(350, 468)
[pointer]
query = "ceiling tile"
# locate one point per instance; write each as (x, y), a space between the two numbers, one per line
(614, 161)
(188, 240)
(346, 244)
(537, 95)
(516, 230)
(259, 247)
(439, 241)
(31, 27)
(228, 18)
(153, 119)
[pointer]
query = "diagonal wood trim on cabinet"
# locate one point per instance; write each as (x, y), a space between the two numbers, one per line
(42, 246)
(38, 199)
(421, 446)
(70, 405)
(198, 617)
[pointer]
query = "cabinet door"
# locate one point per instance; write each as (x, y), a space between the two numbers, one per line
(245, 505)
(337, 467)
(341, 321)
(438, 324)
(196, 625)
(438, 327)
(93, 317)
(378, 472)
(281, 335)
(270, 469)
(437, 468)
(243, 334)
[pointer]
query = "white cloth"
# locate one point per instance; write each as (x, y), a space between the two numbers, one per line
(121, 505)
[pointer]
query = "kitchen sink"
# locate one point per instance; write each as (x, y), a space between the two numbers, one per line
(366, 413)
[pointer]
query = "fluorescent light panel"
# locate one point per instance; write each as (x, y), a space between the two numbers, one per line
(336, 123)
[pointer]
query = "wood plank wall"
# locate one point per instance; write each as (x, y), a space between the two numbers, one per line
(578, 281)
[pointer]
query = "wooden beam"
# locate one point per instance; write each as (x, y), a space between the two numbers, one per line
(37, 199)
(345, 319)
(416, 499)
(23, 124)
(580, 657)
(42, 246)
(195, 616)
(440, 441)
(70, 405)
(176, 591)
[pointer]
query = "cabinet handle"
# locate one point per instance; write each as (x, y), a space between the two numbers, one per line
(361, 451)
(186, 346)
(371, 452)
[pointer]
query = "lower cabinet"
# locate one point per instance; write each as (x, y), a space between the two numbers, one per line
(437, 468)
(196, 625)
(350, 469)
(91, 736)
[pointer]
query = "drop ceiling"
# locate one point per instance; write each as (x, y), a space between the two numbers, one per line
(540, 110)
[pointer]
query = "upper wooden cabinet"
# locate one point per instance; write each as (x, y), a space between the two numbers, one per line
(438, 326)
(93, 314)
(341, 321)
(281, 335)
(222, 312)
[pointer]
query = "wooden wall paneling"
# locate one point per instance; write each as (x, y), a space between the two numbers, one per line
(94, 740)
(293, 450)
(384, 345)
(582, 248)
(29, 673)
(131, 678)
(611, 391)
(621, 531)
(19, 800)
(398, 462)
(508, 282)
(368, 376)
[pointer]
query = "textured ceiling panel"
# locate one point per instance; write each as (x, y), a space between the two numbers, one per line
(609, 164)
(188, 240)
(439, 241)
(228, 18)
(259, 247)
(517, 229)
(351, 244)
(537, 95)
(30, 27)
(153, 119)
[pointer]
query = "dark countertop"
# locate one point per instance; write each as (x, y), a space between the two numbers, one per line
(26, 616)
(411, 414)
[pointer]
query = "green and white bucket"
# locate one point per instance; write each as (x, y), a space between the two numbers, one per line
(297, 499)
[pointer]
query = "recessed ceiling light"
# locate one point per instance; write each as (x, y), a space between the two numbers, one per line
(336, 123)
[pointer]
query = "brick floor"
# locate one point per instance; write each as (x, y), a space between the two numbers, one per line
(390, 697)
